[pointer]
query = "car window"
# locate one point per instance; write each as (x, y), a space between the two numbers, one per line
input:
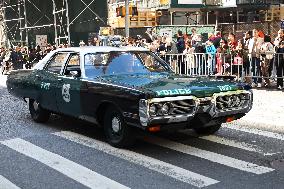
(56, 62)
(73, 65)
(74, 60)
(95, 64)
(123, 63)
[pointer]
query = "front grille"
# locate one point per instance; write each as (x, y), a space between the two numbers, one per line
(231, 102)
(182, 107)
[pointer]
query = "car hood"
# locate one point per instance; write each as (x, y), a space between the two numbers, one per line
(163, 84)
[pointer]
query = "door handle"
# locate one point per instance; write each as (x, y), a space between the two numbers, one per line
(59, 79)
(38, 76)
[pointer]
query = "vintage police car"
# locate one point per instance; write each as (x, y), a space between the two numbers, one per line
(122, 89)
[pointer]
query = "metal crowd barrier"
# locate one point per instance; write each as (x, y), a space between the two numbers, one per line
(260, 68)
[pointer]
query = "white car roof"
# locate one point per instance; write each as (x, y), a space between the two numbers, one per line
(94, 49)
(85, 50)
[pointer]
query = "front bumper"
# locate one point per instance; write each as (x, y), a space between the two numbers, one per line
(207, 105)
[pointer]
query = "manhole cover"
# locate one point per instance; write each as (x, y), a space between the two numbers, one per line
(278, 164)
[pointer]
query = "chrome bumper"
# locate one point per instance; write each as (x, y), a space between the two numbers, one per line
(202, 105)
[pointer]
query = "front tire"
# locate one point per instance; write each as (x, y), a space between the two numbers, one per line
(38, 114)
(207, 130)
(118, 133)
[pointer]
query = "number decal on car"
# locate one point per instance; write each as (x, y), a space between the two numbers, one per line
(225, 88)
(45, 86)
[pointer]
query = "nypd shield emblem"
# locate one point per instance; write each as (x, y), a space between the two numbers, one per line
(65, 92)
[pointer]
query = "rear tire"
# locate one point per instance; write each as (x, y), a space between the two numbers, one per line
(38, 114)
(118, 133)
(207, 130)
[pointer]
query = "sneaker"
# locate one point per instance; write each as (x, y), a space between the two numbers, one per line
(258, 85)
(279, 87)
(253, 85)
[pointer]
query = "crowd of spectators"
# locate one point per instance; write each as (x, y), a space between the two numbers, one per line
(19, 57)
(253, 57)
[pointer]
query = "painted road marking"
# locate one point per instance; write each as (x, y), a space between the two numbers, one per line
(211, 156)
(256, 132)
(233, 143)
(69, 168)
(142, 160)
(6, 184)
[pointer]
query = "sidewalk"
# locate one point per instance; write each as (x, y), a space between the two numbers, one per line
(267, 112)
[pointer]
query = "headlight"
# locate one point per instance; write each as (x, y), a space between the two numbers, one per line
(238, 101)
(165, 109)
(153, 110)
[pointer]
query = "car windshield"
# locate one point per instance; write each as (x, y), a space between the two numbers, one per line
(97, 64)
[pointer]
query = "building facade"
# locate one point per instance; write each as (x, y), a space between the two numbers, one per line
(60, 20)
(227, 15)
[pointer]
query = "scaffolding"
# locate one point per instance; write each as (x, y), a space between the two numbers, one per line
(61, 22)
(20, 18)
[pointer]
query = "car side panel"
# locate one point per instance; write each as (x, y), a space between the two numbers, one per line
(68, 96)
(21, 83)
(97, 94)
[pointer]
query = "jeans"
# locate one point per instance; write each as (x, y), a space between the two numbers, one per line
(280, 72)
(256, 70)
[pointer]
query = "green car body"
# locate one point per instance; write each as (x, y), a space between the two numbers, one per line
(91, 84)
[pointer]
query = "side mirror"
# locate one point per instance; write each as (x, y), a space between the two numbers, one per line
(75, 73)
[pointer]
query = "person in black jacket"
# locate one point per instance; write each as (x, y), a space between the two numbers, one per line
(180, 48)
(17, 58)
(180, 42)
(280, 65)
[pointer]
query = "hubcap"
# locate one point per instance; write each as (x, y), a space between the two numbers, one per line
(115, 123)
(35, 104)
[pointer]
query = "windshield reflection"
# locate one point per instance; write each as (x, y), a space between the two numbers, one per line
(113, 63)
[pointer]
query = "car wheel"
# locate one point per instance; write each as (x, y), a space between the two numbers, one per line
(207, 130)
(117, 132)
(38, 114)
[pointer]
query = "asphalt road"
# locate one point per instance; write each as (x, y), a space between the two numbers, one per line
(66, 153)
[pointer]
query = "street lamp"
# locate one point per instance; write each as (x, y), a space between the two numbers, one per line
(127, 18)
(196, 17)
(187, 17)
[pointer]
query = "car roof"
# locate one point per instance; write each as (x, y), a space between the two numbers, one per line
(88, 49)
(94, 49)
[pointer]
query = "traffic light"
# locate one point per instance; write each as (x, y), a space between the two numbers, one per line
(133, 11)
(120, 11)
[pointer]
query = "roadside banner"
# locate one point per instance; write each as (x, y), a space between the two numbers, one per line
(41, 40)
(166, 32)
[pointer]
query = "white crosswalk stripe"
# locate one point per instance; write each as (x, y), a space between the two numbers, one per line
(69, 168)
(142, 160)
(6, 184)
(211, 156)
(233, 143)
(92, 179)
(256, 132)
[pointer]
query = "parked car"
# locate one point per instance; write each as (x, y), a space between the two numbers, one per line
(126, 89)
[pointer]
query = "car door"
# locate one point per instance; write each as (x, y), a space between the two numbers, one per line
(69, 87)
(47, 80)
